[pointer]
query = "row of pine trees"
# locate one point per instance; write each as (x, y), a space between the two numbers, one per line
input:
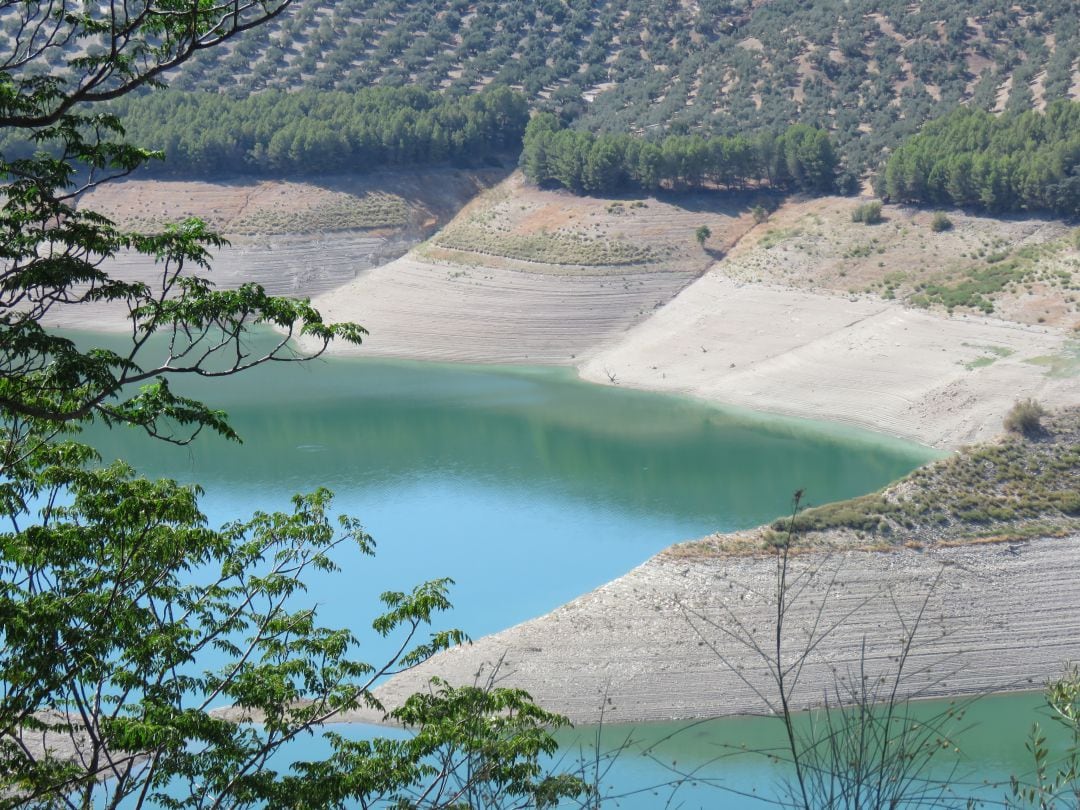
(316, 131)
(801, 158)
(974, 159)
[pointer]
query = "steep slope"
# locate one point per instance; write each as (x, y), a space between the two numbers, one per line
(525, 275)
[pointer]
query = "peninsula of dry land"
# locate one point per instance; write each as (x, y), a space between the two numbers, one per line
(977, 551)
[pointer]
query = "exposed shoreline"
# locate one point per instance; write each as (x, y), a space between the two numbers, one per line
(1002, 617)
(935, 380)
(687, 321)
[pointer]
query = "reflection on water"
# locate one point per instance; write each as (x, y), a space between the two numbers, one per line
(526, 486)
(740, 763)
(529, 488)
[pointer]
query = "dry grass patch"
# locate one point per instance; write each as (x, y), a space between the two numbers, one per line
(564, 233)
(337, 212)
(1022, 269)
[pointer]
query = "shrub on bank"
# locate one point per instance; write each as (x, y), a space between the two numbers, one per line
(1025, 418)
(867, 213)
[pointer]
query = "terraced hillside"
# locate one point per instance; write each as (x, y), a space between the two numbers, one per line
(525, 275)
(873, 70)
(296, 238)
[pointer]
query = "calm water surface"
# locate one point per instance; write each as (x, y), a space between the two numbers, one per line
(526, 486)
(529, 488)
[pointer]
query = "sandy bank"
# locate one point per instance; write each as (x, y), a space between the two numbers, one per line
(291, 265)
(295, 238)
(940, 380)
(433, 311)
(1002, 616)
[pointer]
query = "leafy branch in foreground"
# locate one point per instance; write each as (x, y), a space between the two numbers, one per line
(52, 257)
(1054, 781)
(126, 620)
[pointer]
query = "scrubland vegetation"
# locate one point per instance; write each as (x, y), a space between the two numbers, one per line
(1025, 485)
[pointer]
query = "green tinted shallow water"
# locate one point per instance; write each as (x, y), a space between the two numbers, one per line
(741, 763)
(729, 759)
(529, 488)
(526, 486)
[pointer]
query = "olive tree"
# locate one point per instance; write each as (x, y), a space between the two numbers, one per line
(124, 618)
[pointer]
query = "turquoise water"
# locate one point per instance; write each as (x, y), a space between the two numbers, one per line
(526, 486)
(529, 488)
(730, 762)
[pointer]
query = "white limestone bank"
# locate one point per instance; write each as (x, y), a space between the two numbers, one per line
(647, 646)
(942, 381)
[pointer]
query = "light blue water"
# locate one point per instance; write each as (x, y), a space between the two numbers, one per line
(529, 488)
(526, 486)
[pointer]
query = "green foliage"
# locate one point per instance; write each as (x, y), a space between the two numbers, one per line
(975, 290)
(801, 158)
(313, 131)
(123, 617)
(870, 71)
(1025, 417)
(702, 234)
(973, 159)
(867, 213)
(1054, 781)
(940, 222)
(108, 584)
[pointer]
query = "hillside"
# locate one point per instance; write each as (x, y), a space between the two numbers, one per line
(872, 70)
(1023, 269)
(296, 238)
(527, 275)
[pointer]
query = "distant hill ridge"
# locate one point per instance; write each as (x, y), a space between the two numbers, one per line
(872, 71)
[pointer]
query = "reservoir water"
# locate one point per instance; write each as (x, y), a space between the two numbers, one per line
(528, 488)
(525, 486)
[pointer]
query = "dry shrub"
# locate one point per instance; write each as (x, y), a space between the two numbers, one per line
(1025, 418)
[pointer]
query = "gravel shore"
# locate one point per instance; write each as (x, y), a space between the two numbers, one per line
(679, 638)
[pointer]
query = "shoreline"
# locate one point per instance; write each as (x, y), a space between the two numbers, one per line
(941, 382)
(643, 646)
(754, 322)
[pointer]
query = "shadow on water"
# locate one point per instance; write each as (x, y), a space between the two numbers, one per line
(526, 486)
